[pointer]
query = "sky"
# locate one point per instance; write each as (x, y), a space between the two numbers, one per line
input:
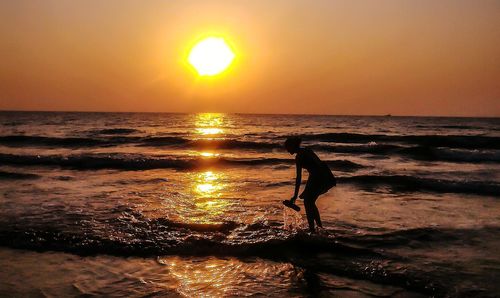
(401, 57)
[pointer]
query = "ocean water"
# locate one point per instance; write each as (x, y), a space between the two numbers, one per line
(138, 204)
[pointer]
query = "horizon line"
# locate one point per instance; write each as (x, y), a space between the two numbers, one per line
(243, 113)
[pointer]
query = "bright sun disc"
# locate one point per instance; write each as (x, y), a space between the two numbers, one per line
(211, 56)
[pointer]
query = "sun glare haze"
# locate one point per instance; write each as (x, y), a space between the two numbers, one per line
(211, 56)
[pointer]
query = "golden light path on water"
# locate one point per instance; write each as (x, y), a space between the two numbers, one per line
(228, 277)
(209, 130)
(209, 199)
(209, 154)
(208, 186)
(209, 124)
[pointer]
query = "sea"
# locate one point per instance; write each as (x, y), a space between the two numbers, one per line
(160, 204)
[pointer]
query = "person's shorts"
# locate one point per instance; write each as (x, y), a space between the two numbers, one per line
(315, 187)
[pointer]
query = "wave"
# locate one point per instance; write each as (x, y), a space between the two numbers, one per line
(139, 162)
(115, 131)
(451, 126)
(404, 183)
(383, 142)
(420, 237)
(126, 222)
(89, 162)
(424, 153)
(207, 143)
(411, 183)
(67, 142)
(16, 176)
(347, 254)
(451, 155)
(370, 148)
(78, 142)
(344, 165)
(132, 234)
(235, 144)
(420, 152)
(452, 141)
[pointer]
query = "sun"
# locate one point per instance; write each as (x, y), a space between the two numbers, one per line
(211, 56)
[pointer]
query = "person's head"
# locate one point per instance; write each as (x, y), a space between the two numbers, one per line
(292, 144)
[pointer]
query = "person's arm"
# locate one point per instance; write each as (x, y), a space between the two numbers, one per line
(298, 179)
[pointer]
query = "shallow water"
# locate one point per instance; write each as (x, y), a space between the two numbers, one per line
(190, 204)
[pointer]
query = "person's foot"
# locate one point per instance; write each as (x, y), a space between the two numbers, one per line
(322, 231)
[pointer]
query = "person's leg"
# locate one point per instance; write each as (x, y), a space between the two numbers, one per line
(317, 218)
(315, 211)
(309, 206)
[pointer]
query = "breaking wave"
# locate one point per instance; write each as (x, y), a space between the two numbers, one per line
(361, 256)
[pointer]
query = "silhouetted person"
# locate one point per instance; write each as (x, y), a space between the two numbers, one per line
(320, 179)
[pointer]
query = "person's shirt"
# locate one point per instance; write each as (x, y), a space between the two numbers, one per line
(307, 159)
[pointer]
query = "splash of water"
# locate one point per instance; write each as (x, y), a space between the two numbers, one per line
(292, 220)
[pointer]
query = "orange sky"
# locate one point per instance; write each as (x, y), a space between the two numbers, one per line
(316, 57)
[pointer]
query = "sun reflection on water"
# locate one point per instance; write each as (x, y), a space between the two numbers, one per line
(209, 154)
(209, 130)
(209, 124)
(208, 184)
(229, 277)
(209, 189)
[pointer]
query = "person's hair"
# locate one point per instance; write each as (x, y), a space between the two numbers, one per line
(293, 142)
